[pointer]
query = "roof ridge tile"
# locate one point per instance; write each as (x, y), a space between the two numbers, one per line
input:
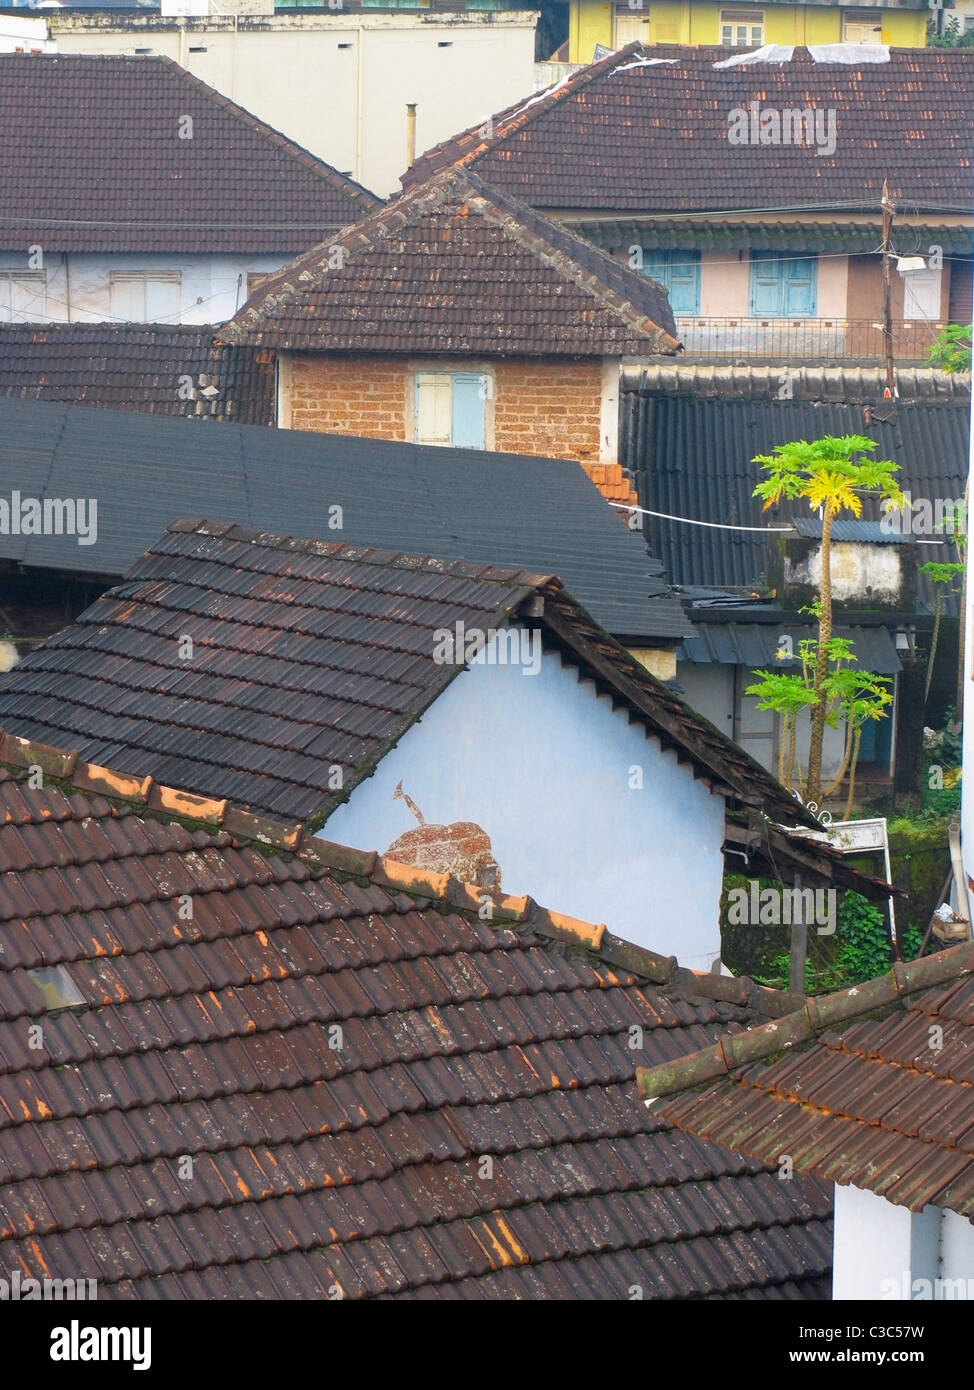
(382, 870)
(817, 1015)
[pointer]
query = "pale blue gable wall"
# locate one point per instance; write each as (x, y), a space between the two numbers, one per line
(542, 764)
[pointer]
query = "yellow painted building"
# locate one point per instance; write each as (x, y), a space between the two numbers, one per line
(740, 24)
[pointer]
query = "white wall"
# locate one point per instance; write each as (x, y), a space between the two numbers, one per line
(542, 764)
(338, 84)
(211, 290)
(885, 1251)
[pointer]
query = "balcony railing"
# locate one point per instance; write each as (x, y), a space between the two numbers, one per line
(801, 339)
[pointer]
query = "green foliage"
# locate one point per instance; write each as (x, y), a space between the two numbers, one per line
(828, 473)
(945, 746)
(864, 950)
(831, 474)
(940, 573)
(951, 349)
(952, 37)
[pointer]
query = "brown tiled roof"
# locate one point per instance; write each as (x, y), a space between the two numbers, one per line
(115, 175)
(346, 632)
(456, 267)
(623, 136)
(376, 1089)
(139, 367)
(885, 1103)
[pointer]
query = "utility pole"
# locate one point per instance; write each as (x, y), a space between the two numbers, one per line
(887, 292)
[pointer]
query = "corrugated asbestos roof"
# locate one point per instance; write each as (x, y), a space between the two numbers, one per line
(875, 1104)
(690, 456)
(855, 532)
(756, 645)
(843, 384)
(454, 266)
(631, 133)
(381, 1095)
(153, 368)
(133, 175)
(347, 633)
(460, 504)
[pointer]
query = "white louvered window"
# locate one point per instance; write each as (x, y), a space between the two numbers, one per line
(145, 296)
(23, 296)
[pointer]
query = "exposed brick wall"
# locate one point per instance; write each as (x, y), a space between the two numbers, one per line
(349, 395)
(547, 407)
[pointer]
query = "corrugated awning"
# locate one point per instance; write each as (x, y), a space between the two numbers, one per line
(755, 645)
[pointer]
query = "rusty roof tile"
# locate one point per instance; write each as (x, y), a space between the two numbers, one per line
(347, 1156)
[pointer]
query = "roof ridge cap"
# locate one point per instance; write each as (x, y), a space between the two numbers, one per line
(285, 143)
(816, 1016)
(292, 837)
(387, 559)
(536, 103)
(566, 264)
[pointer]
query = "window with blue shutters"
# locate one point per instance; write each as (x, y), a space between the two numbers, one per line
(783, 287)
(679, 273)
(451, 408)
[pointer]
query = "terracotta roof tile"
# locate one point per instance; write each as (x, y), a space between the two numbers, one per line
(357, 1163)
(872, 1104)
(124, 179)
(456, 267)
(627, 136)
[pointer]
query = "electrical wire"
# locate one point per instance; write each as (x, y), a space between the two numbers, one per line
(713, 525)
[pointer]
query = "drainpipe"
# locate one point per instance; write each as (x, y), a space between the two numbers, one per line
(410, 134)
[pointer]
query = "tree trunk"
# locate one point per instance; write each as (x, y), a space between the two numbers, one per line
(846, 755)
(852, 775)
(782, 732)
(937, 610)
(821, 664)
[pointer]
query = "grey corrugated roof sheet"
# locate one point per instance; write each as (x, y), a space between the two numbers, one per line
(842, 383)
(755, 645)
(691, 456)
(862, 532)
(459, 504)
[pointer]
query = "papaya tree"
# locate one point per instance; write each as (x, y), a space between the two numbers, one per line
(941, 574)
(832, 475)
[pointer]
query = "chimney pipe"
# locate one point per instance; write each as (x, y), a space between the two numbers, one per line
(410, 133)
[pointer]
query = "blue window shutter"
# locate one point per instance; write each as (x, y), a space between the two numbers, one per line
(469, 410)
(800, 284)
(767, 296)
(679, 273)
(684, 281)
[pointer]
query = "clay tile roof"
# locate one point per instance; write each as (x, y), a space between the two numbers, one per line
(118, 176)
(338, 1046)
(645, 130)
(454, 266)
(347, 632)
(137, 367)
(873, 1085)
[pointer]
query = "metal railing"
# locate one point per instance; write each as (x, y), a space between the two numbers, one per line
(772, 339)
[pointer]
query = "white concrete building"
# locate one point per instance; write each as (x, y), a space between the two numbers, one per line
(339, 83)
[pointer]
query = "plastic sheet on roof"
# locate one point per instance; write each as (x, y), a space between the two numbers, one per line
(645, 63)
(770, 53)
(852, 54)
